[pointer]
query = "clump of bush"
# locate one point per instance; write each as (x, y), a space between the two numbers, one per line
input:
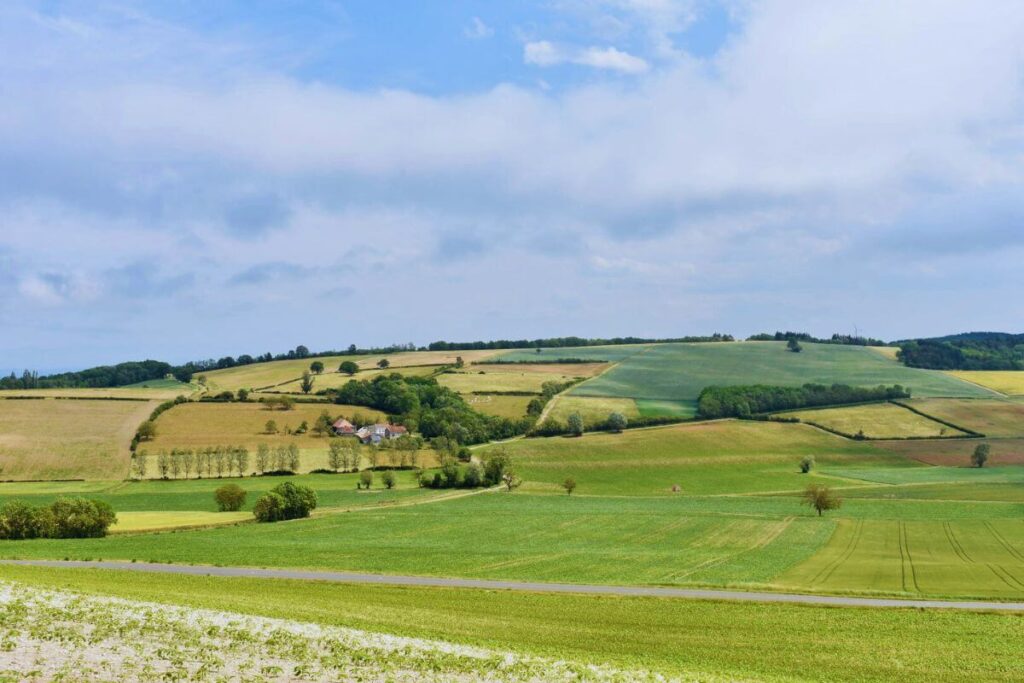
(230, 498)
(474, 475)
(63, 518)
(285, 501)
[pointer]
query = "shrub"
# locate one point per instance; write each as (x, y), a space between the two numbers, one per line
(269, 508)
(81, 518)
(20, 521)
(365, 479)
(147, 431)
(299, 500)
(575, 424)
(617, 422)
(230, 498)
(980, 455)
(807, 464)
(569, 485)
(388, 478)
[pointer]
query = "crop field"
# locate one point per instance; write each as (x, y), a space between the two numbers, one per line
(68, 439)
(155, 391)
(956, 452)
(178, 519)
(678, 372)
(694, 640)
(593, 410)
(599, 354)
(650, 407)
(332, 379)
(410, 358)
(993, 418)
(499, 378)
(985, 558)
(1007, 382)
(704, 458)
(876, 421)
(197, 425)
(512, 407)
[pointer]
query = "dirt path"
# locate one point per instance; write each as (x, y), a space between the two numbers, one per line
(526, 586)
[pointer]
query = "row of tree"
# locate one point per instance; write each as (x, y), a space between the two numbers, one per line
(563, 342)
(744, 401)
(843, 339)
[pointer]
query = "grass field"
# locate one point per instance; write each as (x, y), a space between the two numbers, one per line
(593, 410)
(197, 425)
(704, 458)
(512, 407)
(485, 379)
(983, 557)
(956, 452)
(163, 391)
(876, 421)
(994, 418)
(650, 407)
(1007, 382)
(67, 439)
(678, 372)
(333, 380)
(180, 519)
(694, 640)
(610, 354)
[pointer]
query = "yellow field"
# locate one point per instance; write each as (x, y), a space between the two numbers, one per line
(135, 392)
(593, 409)
(62, 439)
(512, 407)
(877, 421)
(484, 379)
(400, 360)
(197, 425)
(178, 519)
(887, 351)
(1009, 382)
(333, 380)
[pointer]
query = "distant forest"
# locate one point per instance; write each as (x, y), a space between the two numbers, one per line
(845, 339)
(968, 351)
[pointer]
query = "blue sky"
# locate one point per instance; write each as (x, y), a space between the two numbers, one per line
(189, 179)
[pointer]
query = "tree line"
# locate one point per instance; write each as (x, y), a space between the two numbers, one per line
(561, 342)
(842, 339)
(744, 401)
(63, 518)
(988, 351)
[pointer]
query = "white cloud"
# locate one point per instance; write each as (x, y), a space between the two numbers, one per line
(544, 53)
(477, 29)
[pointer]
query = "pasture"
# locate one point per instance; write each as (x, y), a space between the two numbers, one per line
(597, 354)
(68, 439)
(332, 379)
(489, 379)
(678, 372)
(1007, 382)
(593, 410)
(693, 640)
(875, 421)
(512, 407)
(993, 418)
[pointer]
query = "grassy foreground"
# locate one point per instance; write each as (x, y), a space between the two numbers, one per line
(677, 637)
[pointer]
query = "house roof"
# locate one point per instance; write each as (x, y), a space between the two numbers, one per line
(342, 424)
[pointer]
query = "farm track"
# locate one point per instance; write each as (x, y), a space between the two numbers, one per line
(527, 586)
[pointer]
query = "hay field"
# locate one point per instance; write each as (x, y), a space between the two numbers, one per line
(408, 358)
(593, 410)
(162, 392)
(499, 378)
(181, 519)
(62, 439)
(197, 425)
(993, 418)
(877, 421)
(333, 379)
(1007, 382)
(512, 407)
(610, 354)
(956, 452)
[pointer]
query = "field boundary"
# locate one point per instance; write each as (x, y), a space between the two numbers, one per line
(966, 430)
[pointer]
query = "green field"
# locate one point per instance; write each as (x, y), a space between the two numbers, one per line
(610, 354)
(68, 439)
(691, 639)
(678, 372)
(876, 421)
(593, 410)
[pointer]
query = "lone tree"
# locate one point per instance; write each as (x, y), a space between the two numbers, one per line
(807, 464)
(980, 455)
(821, 498)
(316, 367)
(147, 431)
(270, 427)
(569, 485)
(230, 498)
(575, 424)
(307, 383)
(617, 422)
(348, 367)
(794, 346)
(383, 363)
(510, 480)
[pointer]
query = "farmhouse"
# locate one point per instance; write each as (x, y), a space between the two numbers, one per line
(378, 432)
(343, 427)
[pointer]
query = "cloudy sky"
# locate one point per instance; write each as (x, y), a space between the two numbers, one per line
(186, 179)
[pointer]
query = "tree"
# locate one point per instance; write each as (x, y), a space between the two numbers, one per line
(807, 464)
(270, 427)
(323, 425)
(383, 363)
(219, 461)
(317, 367)
(147, 431)
(242, 460)
(335, 457)
(365, 479)
(307, 383)
(229, 498)
(163, 464)
(262, 458)
(617, 422)
(243, 395)
(269, 508)
(794, 346)
(81, 518)
(980, 455)
(139, 464)
(388, 478)
(821, 498)
(535, 407)
(372, 456)
(348, 367)
(495, 465)
(188, 459)
(459, 363)
(569, 485)
(510, 480)
(293, 457)
(575, 424)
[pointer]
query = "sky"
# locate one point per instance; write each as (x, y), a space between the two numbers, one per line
(188, 179)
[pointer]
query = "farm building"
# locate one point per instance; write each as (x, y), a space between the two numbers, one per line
(343, 427)
(379, 432)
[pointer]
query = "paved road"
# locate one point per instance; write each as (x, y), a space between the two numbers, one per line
(645, 591)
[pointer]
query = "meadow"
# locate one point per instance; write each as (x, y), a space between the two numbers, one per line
(956, 452)
(696, 640)
(597, 354)
(157, 390)
(876, 421)
(678, 372)
(1007, 382)
(512, 407)
(332, 379)
(68, 439)
(488, 379)
(593, 410)
(993, 418)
